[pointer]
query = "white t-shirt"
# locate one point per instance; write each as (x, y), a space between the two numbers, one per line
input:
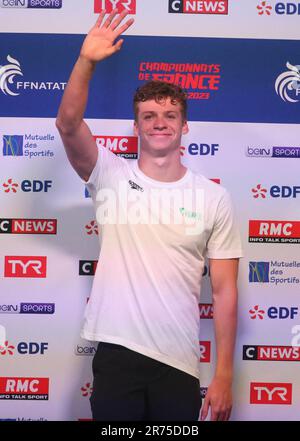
(146, 288)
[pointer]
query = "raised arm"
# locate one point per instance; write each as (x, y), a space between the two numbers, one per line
(77, 138)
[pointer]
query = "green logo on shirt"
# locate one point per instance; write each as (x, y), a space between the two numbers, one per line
(189, 214)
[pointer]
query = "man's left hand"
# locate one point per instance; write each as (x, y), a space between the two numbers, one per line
(219, 399)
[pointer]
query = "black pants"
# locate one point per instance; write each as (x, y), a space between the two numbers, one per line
(129, 386)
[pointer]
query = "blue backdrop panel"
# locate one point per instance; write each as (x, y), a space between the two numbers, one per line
(245, 92)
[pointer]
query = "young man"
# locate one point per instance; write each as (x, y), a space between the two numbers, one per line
(144, 304)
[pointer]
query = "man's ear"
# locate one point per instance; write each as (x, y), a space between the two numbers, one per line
(185, 128)
(135, 129)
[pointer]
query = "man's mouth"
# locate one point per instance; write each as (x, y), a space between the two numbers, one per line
(160, 134)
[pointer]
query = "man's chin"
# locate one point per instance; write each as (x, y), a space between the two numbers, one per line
(159, 151)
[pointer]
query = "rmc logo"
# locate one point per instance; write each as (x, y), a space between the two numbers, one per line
(124, 146)
(24, 388)
(269, 231)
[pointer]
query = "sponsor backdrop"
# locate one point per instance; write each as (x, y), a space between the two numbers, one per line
(240, 65)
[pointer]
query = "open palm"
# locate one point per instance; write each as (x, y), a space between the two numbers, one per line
(100, 41)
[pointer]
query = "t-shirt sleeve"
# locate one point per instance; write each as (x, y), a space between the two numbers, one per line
(224, 241)
(107, 165)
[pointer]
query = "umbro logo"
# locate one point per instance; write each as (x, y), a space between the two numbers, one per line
(135, 186)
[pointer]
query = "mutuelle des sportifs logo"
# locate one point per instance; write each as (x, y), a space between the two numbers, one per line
(11, 84)
(275, 272)
(287, 84)
(30, 145)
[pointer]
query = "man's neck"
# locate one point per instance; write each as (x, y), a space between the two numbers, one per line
(164, 169)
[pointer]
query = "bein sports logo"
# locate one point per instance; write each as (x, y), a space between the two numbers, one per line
(24, 308)
(287, 84)
(7, 75)
(36, 4)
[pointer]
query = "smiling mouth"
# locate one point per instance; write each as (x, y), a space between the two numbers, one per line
(160, 134)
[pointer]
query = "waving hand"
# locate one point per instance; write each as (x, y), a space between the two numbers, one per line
(100, 41)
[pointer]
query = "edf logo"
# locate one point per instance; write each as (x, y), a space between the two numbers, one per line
(24, 348)
(289, 8)
(284, 191)
(27, 186)
(32, 348)
(201, 149)
(280, 8)
(36, 186)
(276, 191)
(274, 312)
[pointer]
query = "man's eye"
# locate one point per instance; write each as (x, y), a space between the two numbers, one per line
(171, 116)
(147, 116)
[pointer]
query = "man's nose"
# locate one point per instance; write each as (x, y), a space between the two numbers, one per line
(159, 122)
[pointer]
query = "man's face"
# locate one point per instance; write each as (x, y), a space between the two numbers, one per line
(159, 126)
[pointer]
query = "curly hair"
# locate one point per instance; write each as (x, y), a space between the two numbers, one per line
(159, 91)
